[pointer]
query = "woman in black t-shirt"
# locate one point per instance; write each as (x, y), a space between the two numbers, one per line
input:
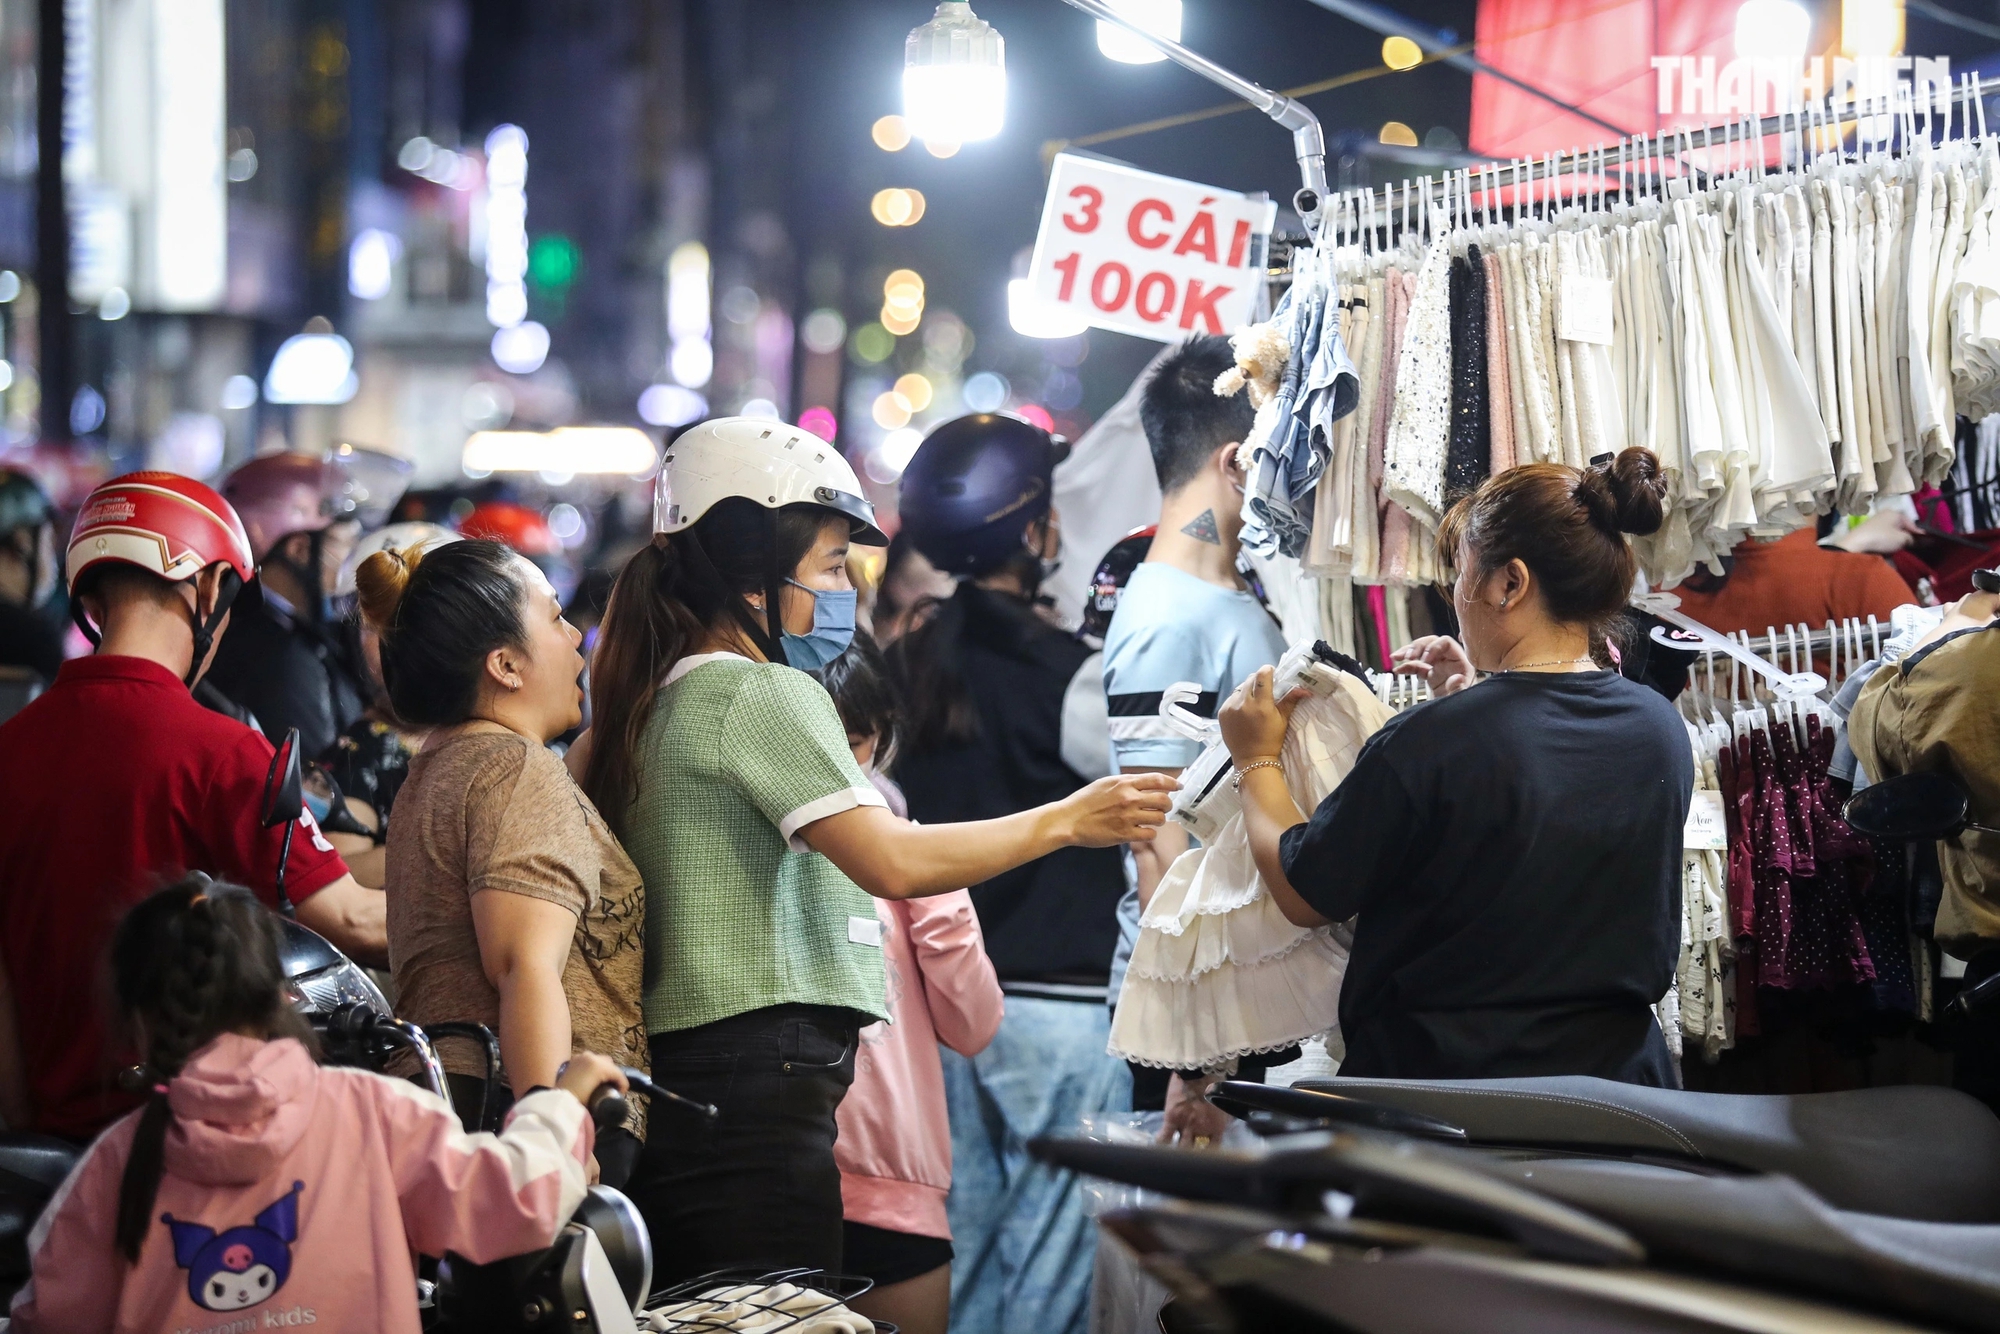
(1512, 850)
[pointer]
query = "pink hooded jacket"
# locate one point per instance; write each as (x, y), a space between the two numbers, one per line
(894, 1146)
(294, 1195)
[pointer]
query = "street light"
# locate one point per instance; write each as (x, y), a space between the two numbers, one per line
(1162, 18)
(953, 78)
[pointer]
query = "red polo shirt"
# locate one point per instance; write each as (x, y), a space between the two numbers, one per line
(113, 783)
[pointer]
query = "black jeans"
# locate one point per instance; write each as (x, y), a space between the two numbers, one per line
(758, 1186)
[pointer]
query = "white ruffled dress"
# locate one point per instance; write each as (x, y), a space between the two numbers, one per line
(1218, 973)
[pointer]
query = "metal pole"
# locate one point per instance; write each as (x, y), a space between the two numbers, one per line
(55, 325)
(1308, 143)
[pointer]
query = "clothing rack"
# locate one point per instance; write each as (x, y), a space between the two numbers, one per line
(1456, 189)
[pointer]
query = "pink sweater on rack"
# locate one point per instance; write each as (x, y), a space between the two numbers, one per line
(294, 1195)
(894, 1148)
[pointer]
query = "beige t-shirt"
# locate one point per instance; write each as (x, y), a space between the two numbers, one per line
(487, 809)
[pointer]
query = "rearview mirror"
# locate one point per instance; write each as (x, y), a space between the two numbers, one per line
(1911, 808)
(284, 786)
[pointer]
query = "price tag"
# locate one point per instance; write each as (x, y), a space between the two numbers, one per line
(1583, 309)
(1707, 830)
(865, 931)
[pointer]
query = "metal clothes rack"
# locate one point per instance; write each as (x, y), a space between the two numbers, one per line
(1821, 117)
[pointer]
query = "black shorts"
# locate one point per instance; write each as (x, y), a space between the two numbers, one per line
(890, 1257)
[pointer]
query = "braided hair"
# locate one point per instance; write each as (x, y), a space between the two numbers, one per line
(194, 961)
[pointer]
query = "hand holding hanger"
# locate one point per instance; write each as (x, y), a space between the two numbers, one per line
(1438, 660)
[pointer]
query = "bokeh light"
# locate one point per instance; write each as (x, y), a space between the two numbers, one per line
(899, 447)
(1401, 53)
(820, 421)
(1036, 413)
(891, 411)
(823, 331)
(872, 344)
(986, 391)
(897, 207)
(916, 391)
(891, 134)
(1395, 132)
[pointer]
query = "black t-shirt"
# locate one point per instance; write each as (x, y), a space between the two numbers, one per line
(1514, 854)
(1055, 919)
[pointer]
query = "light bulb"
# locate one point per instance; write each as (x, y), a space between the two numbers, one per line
(1162, 18)
(954, 77)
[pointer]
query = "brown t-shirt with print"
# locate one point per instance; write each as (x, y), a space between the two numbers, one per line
(486, 809)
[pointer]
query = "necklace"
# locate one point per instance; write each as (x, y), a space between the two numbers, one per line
(1554, 662)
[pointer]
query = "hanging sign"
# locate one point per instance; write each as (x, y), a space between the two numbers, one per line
(1142, 254)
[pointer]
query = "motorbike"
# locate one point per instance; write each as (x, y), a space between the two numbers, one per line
(1571, 1204)
(1577, 1204)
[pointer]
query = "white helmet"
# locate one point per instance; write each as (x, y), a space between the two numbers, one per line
(400, 536)
(760, 460)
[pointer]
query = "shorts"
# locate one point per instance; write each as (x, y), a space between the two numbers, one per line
(890, 1257)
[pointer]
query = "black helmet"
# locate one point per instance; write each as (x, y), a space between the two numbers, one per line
(1112, 573)
(23, 503)
(974, 487)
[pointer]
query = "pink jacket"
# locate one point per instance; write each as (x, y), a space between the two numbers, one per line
(894, 1147)
(294, 1195)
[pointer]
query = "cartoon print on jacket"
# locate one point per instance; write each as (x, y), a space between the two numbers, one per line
(241, 1266)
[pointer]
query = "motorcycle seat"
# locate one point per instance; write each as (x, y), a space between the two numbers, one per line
(1916, 1152)
(34, 1162)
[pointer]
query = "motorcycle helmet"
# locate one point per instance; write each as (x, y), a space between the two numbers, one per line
(975, 486)
(168, 525)
(23, 503)
(26, 508)
(763, 461)
(398, 537)
(518, 526)
(1109, 580)
(266, 493)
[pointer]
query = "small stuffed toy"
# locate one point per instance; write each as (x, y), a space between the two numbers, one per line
(1261, 353)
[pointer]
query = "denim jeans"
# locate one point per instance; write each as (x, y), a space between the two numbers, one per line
(759, 1185)
(1024, 1245)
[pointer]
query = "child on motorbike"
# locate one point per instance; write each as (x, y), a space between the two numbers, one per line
(256, 1188)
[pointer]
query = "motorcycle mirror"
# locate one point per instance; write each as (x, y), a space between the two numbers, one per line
(322, 791)
(284, 784)
(1911, 808)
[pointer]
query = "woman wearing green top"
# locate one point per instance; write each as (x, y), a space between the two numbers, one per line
(727, 774)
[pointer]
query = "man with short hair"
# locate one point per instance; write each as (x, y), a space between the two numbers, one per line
(1186, 614)
(115, 781)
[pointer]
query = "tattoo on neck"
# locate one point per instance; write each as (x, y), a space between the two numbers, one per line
(1202, 528)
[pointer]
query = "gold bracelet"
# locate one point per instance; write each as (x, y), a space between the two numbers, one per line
(1236, 781)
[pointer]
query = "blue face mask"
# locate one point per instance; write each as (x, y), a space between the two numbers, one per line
(832, 632)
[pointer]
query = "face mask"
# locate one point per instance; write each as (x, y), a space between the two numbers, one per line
(832, 632)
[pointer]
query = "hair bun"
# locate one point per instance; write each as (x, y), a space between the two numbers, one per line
(382, 580)
(1626, 494)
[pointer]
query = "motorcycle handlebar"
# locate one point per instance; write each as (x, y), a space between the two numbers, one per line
(609, 1107)
(356, 1022)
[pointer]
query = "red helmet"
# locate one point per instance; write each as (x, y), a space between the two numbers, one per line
(518, 526)
(162, 522)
